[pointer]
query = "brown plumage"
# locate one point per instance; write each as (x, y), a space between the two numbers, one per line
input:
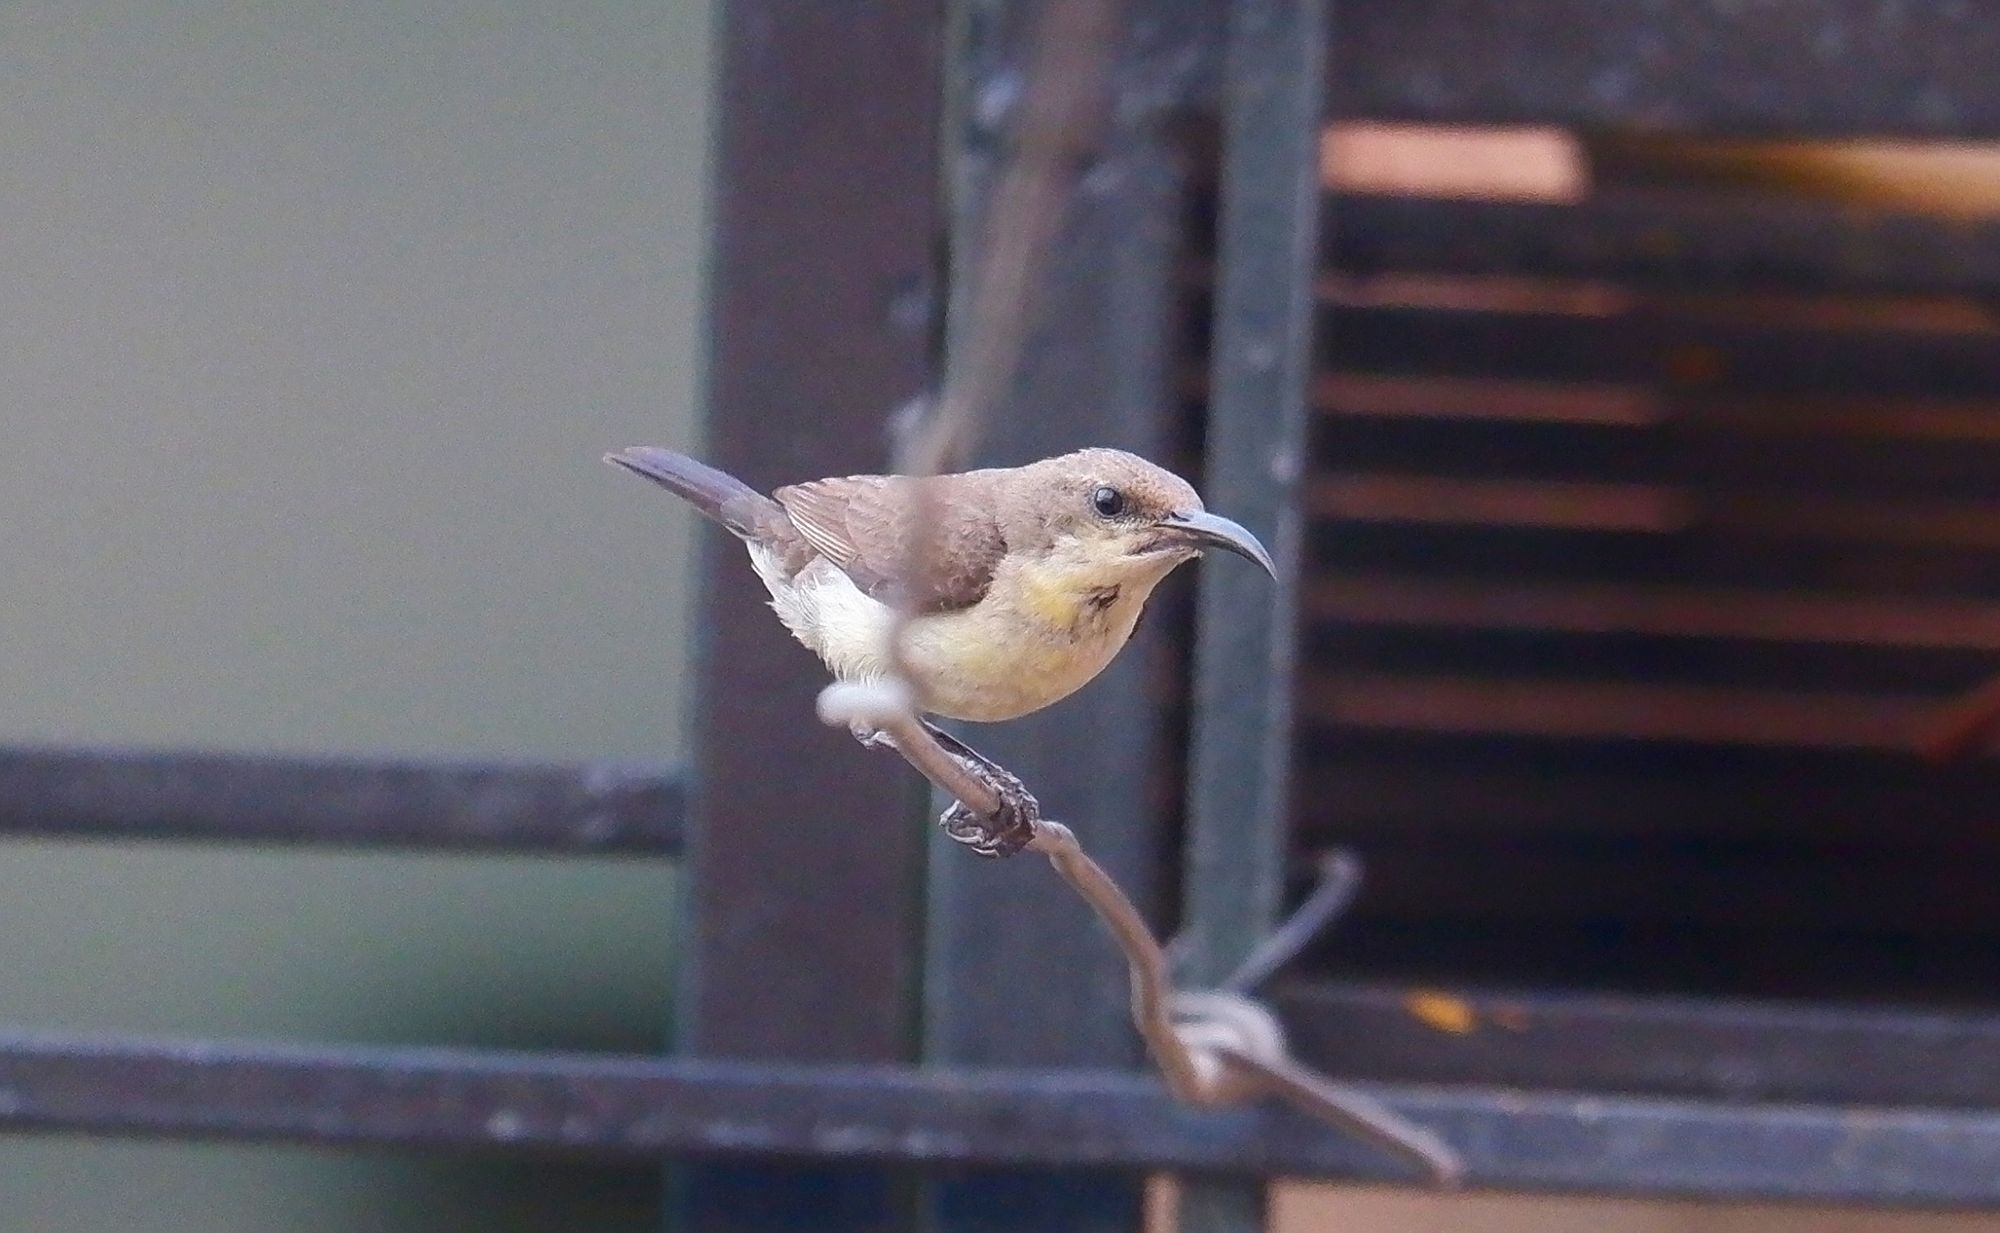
(1035, 575)
(861, 523)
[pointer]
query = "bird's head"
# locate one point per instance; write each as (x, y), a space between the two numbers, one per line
(1107, 510)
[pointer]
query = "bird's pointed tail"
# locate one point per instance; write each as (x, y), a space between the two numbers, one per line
(747, 513)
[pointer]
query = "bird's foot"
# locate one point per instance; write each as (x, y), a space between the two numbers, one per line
(1011, 826)
(1006, 831)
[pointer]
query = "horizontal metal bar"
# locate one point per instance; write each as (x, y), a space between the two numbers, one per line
(1816, 67)
(1667, 240)
(612, 1106)
(261, 799)
(1663, 1046)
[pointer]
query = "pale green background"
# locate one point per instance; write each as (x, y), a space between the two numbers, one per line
(314, 319)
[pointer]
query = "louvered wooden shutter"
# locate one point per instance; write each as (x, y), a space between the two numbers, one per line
(1647, 532)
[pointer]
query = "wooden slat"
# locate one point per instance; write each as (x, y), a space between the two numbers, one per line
(1651, 509)
(1794, 887)
(1955, 422)
(1347, 394)
(1822, 67)
(1912, 523)
(1100, 385)
(1531, 658)
(1701, 555)
(1672, 612)
(1684, 960)
(1669, 240)
(1795, 348)
(1722, 464)
(1386, 788)
(1615, 710)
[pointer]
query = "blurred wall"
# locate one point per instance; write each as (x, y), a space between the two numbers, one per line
(314, 320)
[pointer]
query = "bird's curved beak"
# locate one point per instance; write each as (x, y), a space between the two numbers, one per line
(1206, 530)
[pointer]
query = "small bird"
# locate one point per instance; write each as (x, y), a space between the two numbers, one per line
(1035, 575)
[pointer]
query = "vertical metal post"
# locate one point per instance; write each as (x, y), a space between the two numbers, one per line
(1238, 811)
(804, 853)
(1018, 973)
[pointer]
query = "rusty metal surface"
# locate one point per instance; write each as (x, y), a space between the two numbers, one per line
(1669, 240)
(630, 1107)
(244, 798)
(1815, 67)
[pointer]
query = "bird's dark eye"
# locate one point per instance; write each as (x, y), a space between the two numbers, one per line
(1108, 501)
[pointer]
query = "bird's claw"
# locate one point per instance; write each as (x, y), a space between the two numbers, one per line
(1011, 825)
(1006, 831)
(1009, 828)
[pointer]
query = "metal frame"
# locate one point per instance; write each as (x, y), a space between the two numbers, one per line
(808, 882)
(1239, 841)
(542, 1104)
(803, 860)
(1094, 371)
(603, 809)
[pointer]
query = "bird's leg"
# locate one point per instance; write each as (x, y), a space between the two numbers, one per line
(1001, 823)
(1003, 832)
(1011, 825)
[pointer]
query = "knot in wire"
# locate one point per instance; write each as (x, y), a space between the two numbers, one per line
(1218, 1029)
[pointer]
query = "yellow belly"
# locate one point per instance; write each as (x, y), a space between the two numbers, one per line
(988, 664)
(1031, 642)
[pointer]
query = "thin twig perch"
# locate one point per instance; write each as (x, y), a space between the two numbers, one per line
(1214, 1047)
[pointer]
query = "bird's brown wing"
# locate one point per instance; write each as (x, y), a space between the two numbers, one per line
(861, 523)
